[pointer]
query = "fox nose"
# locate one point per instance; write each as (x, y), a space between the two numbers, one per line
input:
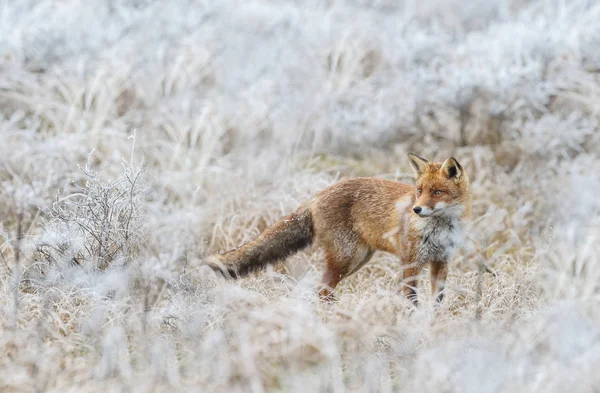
(417, 209)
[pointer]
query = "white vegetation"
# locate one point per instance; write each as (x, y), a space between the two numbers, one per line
(137, 136)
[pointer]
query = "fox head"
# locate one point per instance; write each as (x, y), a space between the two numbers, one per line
(442, 188)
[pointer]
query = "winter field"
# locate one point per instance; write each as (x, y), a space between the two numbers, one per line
(139, 136)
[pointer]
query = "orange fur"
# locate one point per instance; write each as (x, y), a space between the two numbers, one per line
(355, 217)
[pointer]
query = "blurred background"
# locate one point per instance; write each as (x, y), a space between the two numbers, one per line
(138, 136)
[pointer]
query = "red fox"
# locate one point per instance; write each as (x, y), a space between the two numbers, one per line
(352, 219)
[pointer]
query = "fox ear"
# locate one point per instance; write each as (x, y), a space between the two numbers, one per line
(452, 168)
(418, 164)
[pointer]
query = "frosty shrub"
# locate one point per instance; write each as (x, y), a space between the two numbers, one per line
(98, 226)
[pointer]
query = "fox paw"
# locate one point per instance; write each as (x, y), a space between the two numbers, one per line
(326, 295)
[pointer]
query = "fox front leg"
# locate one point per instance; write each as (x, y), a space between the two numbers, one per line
(411, 279)
(439, 272)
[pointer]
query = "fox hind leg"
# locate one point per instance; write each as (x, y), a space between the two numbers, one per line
(335, 271)
(361, 258)
(340, 262)
(340, 265)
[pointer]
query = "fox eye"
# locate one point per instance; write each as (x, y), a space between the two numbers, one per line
(419, 191)
(438, 192)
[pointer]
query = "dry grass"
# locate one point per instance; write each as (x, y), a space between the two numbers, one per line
(137, 136)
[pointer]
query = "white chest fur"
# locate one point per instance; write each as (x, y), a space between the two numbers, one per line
(440, 238)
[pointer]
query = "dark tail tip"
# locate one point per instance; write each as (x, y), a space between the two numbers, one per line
(289, 235)
(227, 271)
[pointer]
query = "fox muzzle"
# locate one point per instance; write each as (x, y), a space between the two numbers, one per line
(422, 211)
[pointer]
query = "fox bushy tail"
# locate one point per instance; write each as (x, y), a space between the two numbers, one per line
(286, 237)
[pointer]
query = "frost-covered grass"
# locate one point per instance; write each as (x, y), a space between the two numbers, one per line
(137, 136)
